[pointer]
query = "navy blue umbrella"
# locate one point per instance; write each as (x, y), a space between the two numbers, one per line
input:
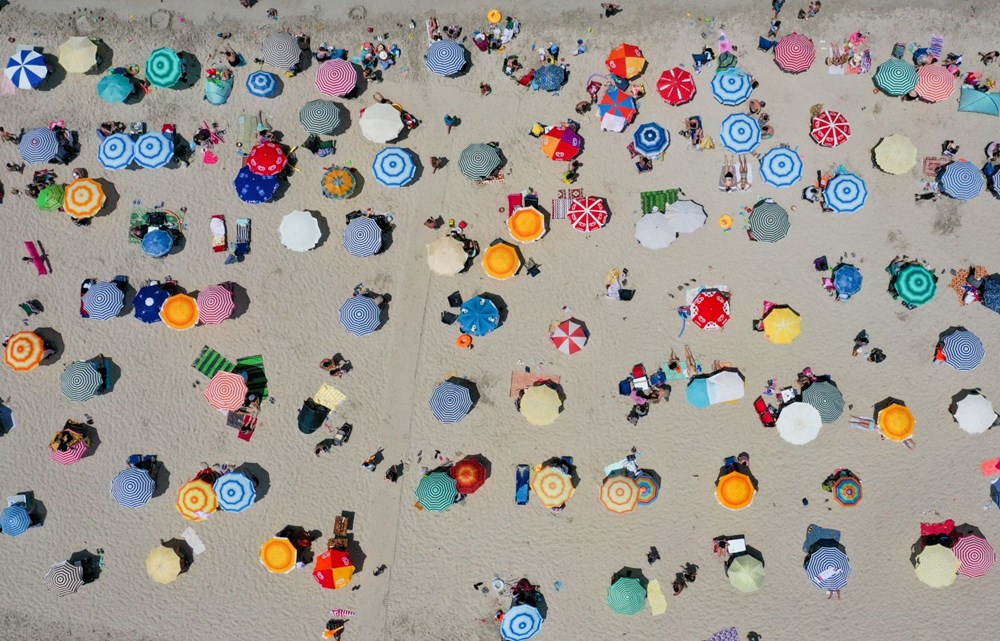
(253, 188)
(550, 77)
(445, 57)
(133, 487)
(360, 315)
(148, 301)
(450, 402)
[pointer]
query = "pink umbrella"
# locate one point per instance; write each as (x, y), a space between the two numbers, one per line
(976, 554)
(795, 53)
(587, 213)
(934, 83)
(215, 304)
(73, 453)
(336, 77)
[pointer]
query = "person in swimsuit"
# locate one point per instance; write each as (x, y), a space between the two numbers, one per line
(728, 178)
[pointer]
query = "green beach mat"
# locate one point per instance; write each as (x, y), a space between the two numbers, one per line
(659, 199)
(138, 217)
(209, 362)
(256, 379)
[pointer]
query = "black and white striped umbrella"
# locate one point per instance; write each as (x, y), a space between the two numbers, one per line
(133, 487)
(281, 50)
(81, 381)
(362, 237)
(825, 397)
(479, 161)
(768, 222)
(450, 402)
(64, 578)
(104, 300)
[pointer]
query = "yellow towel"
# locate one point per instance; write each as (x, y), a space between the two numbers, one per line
(329, 396)
(654, 594)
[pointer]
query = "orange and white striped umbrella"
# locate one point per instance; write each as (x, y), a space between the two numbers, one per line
(25, 350)
(83, 198)
(552, 485)
(196, 500)
(620, 493)
(226, 391)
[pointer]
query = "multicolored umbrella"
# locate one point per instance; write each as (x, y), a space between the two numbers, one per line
(154, 149)
(319, 117)
(896, 77)
(676, 86)
(745, 572)
(541, 404)
(552, 486)
(262, 84)
(830, 128)
(526, 224)
(501, 261)
(164, 68)
(253, 188)
(334, 569)
(620, 494)
(104, 300)
(437, 491)
(78, 54)
(617, 103)
(38, 145)
(651, 139)
(847, 491)
(381, 123)
(469, 474)
(179, 312)
(360, 315)
(846, 193)
(478, 316)
(117, 151)
(339, 183)
(281, 50)
(937, 566)
(115, 87)
(83, 198)
(278, 555)
(962, 180)
(794, 53)
(894, 419)
(51, 197)
(975, 554)
(196, 500)
(649, 488)
(236, 491)
(735, 491)
(825, 396)
(562, 143)
(549, 77)
(768, 222)
(72, 454)
(798, 423)
(587, 213)
(915, 284)
(847, 280)
(451, 402)
(394, 167)
(710, 309)
(26, 68)
(627, 595)
(446, 256)
(64, 578)
(479, 161)
(267, 159)
(521, 623)
(227, 391)
(972, 411)
(446, 57)
(362, 237)
(895, 154)
(782, 324)
(133, 487)
(163, 565)
(827, 566)
(962, 349)
(570, 336)
(626, 61)
(15, 520)
(781, 167)
(934, 83)
(81, 381)
(24, 351)
(336, 77)
(731, 86)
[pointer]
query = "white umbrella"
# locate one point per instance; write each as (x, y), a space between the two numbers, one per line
(798, 423)
(974, 413)
(381, 123)
(299, 231)
(685, 216)
(655, 231)
(724, 386)
(611, 122)
(446, 256)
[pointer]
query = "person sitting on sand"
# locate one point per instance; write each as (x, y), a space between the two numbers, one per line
(232, 57)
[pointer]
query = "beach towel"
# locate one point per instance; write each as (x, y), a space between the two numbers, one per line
(253, 367)
(933, 165)
(329, 396)
(246, 131)
(937, 46)
(725, 44)
(729, 634)
(658, 199)
(209, 362)
(560, 208)
(654, 594)
(520, 381)
(991, 467)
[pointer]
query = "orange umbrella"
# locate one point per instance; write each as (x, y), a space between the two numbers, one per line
(626, 61)
(196, 499)
(552, 485)
(526, 224)
(180, 311)
(25, 350)
(735, 490)
(83, 198)
(278, 555)
(469, 474)
(333, 570)
(895, 419)
(620, 493)
(501, 261)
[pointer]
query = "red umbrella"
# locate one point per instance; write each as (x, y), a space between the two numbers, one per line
(795, 53)
(676, 86)
(587, 213)
(976, 554)
(562, 143)
(934, 83)
(267, 159)
(336, 77)
(469, 475)
(334, 569)
(830, 129)
(710, 309)
(215, 304)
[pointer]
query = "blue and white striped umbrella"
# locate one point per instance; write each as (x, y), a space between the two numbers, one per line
(445, 57)
(962, 180)
(450, 402)
(731, 86)
(651, 139)
(740, 133)
(262, 84)
(104, 300)
(26, 68)
(38, 145)
(133, 487)
(236, 491)
(154, 150)
(362, 237)
(360, 315)
(781, 167)
(81, 381)
(828, 566)
(394, 167)
(117, 152)
(15, 520)
(846, 193)
(521, 623)
(962, 349)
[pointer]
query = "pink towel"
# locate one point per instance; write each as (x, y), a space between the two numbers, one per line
(725, 44)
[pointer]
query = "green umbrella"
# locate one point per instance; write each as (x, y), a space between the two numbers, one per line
(746, 573)
(825, 397)
(51, 198)
(479, 161)
(896, 77)
(437, 491)
(627, 595)
(915, 284)
(164, 68)
(319, 117)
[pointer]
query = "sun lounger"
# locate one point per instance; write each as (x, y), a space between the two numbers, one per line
(764, 413)
(210, 362)
(35, 258)
(218, 228)
(521, 479)
(658, 199)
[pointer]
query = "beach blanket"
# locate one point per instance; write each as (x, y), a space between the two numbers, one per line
(654, 594)
(210, 362)
(520, 381)
(246, 132)
(329, 396)
(658, 199)
(253, 367)
(937, 46)
(933, 165)
(729, 634)
(138, 217)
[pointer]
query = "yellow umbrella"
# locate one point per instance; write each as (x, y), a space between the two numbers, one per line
(446, 256)
(895, 154)
(937, 566)
(180, 311)
(540, 405)
(526, 224)
(895, 419)
(552, 486)
(25, 350)
(78, 54)
(782, 325)
(501, 261)
(735, 490)
(163, 564)
(620, 493)
(278, 555)
(83, 198)
(197, 499)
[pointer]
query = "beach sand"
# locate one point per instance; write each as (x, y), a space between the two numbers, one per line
(434, 559)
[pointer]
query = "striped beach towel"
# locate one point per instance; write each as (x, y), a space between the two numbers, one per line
(210, 362)
(659, 199)
(253, 367)
(937, 46)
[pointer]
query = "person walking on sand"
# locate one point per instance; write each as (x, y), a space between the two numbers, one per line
(450, 121)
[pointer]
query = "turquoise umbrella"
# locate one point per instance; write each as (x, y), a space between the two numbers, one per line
(627, 595)
(437, 491)
(164, 68)
(915, 284)
(114, 88)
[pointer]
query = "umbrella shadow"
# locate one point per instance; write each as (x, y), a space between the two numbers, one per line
(241, 300)
(90, 433)
(36, 509)
(967, 529)
(486, 463)
(417, 165)
(500, 303)
(6, 419)
(356, 552)
(112, 375)
(261, 479)
(53, 340)
(89, 563)
(105, 57)
(137, 94)
(324, 228)
(283, 185)
(161, 479)
(56, 73)
(470, 386)
(915, 550)
(129, 293)
(192, 71)
(629, 572)
(344, 119)
(183, 550)
(111, 197)
(359, 183)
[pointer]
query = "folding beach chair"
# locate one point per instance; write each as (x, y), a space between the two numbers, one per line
(210, 362)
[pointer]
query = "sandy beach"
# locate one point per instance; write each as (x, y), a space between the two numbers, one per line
(435, 559)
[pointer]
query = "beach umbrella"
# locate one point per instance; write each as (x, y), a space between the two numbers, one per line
(587, 213)
(552, 485)
(937, 566)
(685, 216)
(830, 128)
(782, 324)
(975, 554)
(262, 84)
(362, 237)
(26, 68)
(526, 224)
(51, 197)
(104, 300)
(445, 57)
(117, 151)
(299, 231)
(794, 53)
(626, 61)
(394, 167)
(83, 198)
(81, 381)
(895, 154)
(478, 316)
(896, 77)
(655, 231)
(501, 261)
(740, 133)
(446, 256)
(24, 351)
(479, 161)
(164, 68)
(469, 474)
(620, 494)
(334, 569)
(338, 183)
(72, 454)
(115, 87)
(437, 491)
(15, 520)
(133, 487)
(64, 578)
(450, 402)
(915, 284)
(521, 623)
(799, 423)
(710, 309)
(721, 386)
(570, 336)
(825, 396)
(975, 101)
(267, 159)
(541, 404)
(163, 565)
(731, 86)
(768, 222)
(319, 117)
(196, 500)
(735, 490)
(649, 488)
(78, 54)
(617, 103)
(227, 391)
(561, 143)
(991, 292)
(827, 565)
(148, 301)
(157, 243)
(381, 123)
(236, 491)
(847, 491)
(253, 188)
(549, 77)
(336, 77)
(360, 315)
(972, 411)
(746, 572)
(627, 595)
(154, 150)
(847, 280)
(934, 83)
(38, 145)
(962, 349)
(676, 86)
(781, 167)
(179, 312)
(962, 180)
(278, 555)
(894, 419)
(846, 193)
(651, 139)
(281, 50)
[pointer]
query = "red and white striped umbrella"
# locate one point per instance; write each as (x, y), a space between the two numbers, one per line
(795, 53)
(676, 86)
(215, 304)
(934, 83)
(570, 336)
(976, 554)
(336, 77)
(73, 453)
(830, 129)
(226, 391)
(587, 213)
